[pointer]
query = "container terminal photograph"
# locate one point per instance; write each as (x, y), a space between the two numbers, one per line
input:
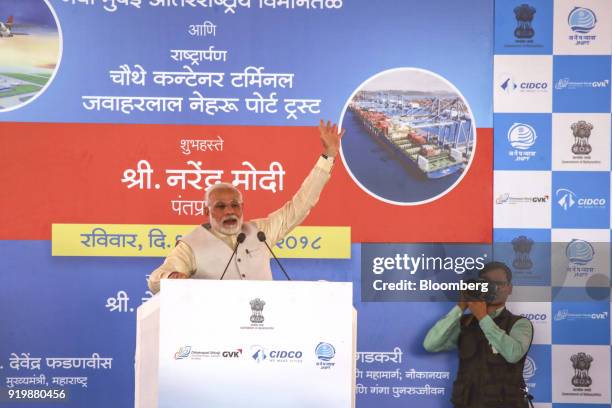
(410, 126)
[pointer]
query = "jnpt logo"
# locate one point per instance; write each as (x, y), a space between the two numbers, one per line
(581, 20)
(521, 136)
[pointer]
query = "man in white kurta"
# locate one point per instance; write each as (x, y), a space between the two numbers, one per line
(204, 252)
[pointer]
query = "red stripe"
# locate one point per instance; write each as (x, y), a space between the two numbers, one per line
(71, 173)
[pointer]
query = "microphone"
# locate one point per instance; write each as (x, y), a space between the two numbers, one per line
(262, 237)
(239, 240)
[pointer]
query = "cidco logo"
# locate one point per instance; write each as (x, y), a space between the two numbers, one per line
(259, 354)
(509, 85)
(567, 199)
(535, 317)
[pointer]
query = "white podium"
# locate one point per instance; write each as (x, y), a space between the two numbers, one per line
(216, 344)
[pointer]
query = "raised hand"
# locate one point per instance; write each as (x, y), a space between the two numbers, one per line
(330, 138)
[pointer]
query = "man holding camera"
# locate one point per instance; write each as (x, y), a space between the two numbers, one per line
(492, 343)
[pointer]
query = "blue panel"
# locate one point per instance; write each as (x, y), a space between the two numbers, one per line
(331, 52)
(55, 307)
(527, 252)
(538, 373)
(580, 200)
(581, 84)
(581, 322)
(523, 28)
(522, 141)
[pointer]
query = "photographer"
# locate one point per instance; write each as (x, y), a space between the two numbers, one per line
(492, 343)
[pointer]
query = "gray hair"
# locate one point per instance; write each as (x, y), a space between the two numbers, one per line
(221, 186)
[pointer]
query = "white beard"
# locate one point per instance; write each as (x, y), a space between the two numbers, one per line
(218, 226)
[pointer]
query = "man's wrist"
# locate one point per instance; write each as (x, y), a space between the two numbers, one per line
(485, 322)
(456, 311)
(480, 316)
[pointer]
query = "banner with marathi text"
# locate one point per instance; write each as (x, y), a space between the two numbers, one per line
(116, 115)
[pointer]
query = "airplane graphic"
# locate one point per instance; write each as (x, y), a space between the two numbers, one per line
(6, 28)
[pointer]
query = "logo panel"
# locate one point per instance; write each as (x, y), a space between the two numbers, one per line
(521, 199)
(523, 28)
(581, 258)
(581, 142)
(536, 373)
(525, 141)
(522, 83)
(581, 84)
(581, 200)
(527, 252)
(581, 322)
(581, 374)
(539, 314)
(581, 28)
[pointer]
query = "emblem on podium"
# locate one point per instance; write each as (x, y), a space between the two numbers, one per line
(257, 306)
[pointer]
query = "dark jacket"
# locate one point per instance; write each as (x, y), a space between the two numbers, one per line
(485, 379)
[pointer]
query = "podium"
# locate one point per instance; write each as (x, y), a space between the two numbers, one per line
(203, 343)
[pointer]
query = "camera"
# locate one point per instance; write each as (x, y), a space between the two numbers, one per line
(478, 294)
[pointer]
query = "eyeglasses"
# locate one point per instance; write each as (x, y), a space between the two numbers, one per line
(222, 206)
(501, 283)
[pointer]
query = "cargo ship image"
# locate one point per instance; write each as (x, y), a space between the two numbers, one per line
(431, 134)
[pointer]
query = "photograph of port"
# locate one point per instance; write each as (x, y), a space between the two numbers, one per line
(410, 136)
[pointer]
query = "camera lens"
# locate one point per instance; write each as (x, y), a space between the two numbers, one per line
(479, 294)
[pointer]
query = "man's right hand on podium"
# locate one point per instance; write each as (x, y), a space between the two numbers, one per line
(177, 275)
